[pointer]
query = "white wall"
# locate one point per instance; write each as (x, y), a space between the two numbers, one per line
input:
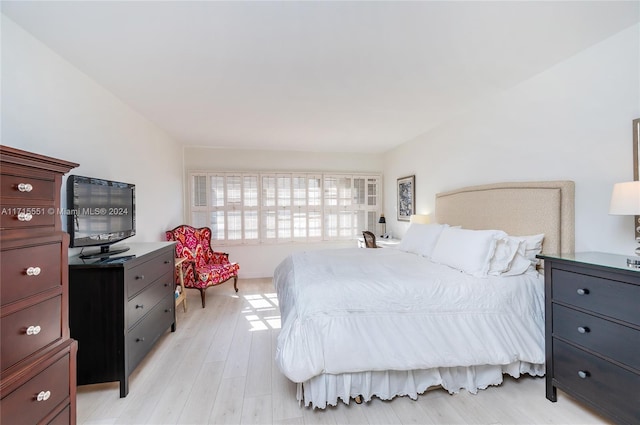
(572, 121)
(51, 108)
(261, 260)
(202, 158)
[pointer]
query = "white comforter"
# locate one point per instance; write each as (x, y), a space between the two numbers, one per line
(354, 310)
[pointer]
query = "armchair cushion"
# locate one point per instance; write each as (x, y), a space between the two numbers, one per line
(215, 273)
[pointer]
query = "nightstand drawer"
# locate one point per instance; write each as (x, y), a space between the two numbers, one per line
(612, 388)
(611, 298)
(610, 339)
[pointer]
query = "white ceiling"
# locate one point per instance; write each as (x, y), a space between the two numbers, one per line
(313, 76)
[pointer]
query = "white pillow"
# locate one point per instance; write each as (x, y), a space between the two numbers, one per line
(518, 265)
(532, 246)
(421, 238)
(469, 251)
(506, 249)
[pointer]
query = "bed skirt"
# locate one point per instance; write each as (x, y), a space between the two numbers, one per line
(326, 389)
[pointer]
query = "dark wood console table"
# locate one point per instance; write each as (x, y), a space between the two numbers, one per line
(118, 308)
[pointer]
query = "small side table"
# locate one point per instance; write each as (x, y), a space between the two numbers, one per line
(182, 297)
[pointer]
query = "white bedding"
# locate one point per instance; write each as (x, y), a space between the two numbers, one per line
(359, 310)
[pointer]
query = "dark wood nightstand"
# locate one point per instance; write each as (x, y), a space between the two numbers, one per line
(593, 332)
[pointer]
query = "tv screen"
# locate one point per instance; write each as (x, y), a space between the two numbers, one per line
(102, 212)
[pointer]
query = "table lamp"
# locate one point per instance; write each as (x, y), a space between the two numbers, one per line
(625, 200)
(383, 221)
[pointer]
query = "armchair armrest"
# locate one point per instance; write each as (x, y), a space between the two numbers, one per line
(219, 257)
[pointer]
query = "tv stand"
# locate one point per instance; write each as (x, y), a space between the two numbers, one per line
(119, 309)
(105, 251)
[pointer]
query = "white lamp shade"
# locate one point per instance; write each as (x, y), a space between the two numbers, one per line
(625, 199)
(420, 218)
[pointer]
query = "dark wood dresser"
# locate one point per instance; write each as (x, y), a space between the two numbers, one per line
(593, 332)
(38, 357)
(119, 307)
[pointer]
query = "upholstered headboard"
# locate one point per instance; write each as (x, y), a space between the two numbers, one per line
(519, 209)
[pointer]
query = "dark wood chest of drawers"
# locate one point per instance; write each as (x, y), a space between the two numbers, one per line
(593, 332)
(119, 307)
(38, 357)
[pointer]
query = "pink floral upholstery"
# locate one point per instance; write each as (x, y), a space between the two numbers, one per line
(204, 267)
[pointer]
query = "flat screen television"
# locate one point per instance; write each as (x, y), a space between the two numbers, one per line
(101, 213)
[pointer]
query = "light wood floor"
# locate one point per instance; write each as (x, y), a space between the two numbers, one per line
(218, 368)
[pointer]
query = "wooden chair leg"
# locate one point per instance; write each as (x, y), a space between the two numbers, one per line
(235, 283)
(202, 295)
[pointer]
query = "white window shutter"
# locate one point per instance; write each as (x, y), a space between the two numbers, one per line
(283, 207)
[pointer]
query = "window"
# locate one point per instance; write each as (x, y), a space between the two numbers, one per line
(352, 204)
(284, 207)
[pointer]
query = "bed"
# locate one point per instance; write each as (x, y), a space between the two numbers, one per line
(391, 322)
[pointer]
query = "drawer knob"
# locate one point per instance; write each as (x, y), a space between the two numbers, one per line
(25, 187)
(139, 305)
(33, 271)
(43, 396)
(140, 339)
(582, 291)
(33, 330)
(141, 277)
(168, 310)
(23, 216)
(583, 374)
(583, 329)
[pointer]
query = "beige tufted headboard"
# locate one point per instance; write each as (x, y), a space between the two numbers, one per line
(519, 209)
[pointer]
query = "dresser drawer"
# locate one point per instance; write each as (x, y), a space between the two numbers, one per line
(20, 339)
(21, 217)
(610, 339)
(30, 270)
(608, 297)
(141, 275)
(143, 336)
(51, 386)
(142, 303)
(21, 186)
(612, 388)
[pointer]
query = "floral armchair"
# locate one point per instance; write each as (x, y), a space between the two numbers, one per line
(203, 266)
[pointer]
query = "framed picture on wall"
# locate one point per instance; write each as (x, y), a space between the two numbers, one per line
(406, 197)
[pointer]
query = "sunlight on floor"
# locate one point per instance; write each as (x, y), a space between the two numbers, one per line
(259, 304)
